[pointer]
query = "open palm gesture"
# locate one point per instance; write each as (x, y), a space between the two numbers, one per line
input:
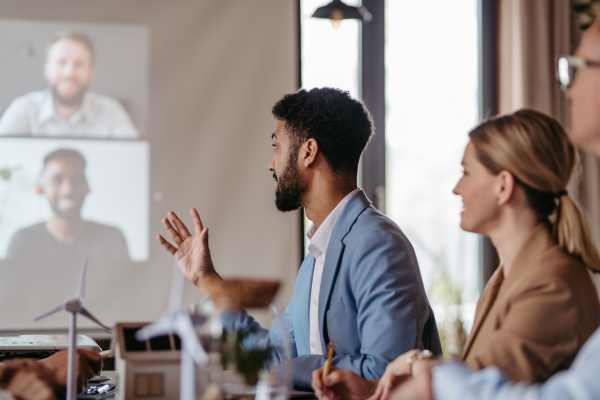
(192, 254)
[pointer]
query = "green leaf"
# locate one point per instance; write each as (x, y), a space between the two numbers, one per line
(5, 174)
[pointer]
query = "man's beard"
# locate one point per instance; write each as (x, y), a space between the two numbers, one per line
(73, 100)
(290, 188)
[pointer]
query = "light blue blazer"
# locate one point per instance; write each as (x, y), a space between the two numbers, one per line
(372, 302)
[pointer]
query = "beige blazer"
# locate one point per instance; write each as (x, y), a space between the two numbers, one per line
(532, 323)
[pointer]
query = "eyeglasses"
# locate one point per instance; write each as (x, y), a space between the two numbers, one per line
(567, 69)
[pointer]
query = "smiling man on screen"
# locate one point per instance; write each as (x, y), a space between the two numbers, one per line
(67, 108)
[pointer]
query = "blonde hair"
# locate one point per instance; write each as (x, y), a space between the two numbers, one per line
(535, 149)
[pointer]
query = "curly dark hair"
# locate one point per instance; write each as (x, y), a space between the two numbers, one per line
(65, 154)
(341, 125)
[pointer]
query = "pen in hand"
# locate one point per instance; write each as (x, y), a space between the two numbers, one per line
(327, 366)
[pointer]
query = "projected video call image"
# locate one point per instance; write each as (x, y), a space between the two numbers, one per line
(73, 80)
(61, 198)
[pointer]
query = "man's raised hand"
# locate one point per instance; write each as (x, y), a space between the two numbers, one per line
(192, 253)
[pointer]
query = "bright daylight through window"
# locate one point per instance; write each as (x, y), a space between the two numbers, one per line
(431, 104)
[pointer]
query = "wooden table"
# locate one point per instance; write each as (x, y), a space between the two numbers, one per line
(294, 395)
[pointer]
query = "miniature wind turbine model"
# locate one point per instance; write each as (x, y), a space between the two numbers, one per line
(181, 322)
(74, 305)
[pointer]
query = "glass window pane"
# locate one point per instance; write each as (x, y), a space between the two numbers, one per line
(329, 56)
(432, 103)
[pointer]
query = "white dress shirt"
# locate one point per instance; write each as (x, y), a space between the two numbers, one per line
(318, 241)
(99, 117)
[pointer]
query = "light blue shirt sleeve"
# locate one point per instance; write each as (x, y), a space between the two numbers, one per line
(5, 395)
(454, 381)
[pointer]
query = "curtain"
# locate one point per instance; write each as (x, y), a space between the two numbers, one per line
(532, 35)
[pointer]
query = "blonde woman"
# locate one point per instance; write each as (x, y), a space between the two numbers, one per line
(540, 306)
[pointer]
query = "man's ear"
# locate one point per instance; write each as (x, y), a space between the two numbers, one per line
(505, 187)
(309, 151)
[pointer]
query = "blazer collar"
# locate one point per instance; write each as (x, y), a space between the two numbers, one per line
(538, 241)
(319, 238)
(350, 213)
(531, 252)
(483, 306)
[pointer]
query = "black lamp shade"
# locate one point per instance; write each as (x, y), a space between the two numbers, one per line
(339, 8)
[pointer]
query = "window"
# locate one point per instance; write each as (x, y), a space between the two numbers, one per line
(432, 101)
(431, 104)
(329, 56)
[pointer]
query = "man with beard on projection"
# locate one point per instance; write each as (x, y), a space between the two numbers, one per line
(360, 287)
(66, 108)
(66, 234)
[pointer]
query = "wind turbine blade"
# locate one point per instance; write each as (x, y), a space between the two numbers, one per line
(81, 287)
(89, 315)
(161, 327)
(188, 335)
(54, 310)
(176, 296)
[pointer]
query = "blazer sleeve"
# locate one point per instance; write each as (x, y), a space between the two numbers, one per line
(279, 337)
(391, 308)
(539, 335)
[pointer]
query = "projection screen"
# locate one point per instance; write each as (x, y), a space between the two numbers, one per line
(113, 113)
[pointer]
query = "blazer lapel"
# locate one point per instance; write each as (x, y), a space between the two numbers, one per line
(334, 254)
(483, 307)
(536, 243)
(335, 250)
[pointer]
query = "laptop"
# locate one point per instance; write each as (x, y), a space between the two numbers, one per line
(40, 346)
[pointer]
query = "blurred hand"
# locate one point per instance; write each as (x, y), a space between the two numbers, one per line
(192, 254)
(395, 373)
(342, 384)
(271, 378)
(414, 388)
(28, 380)
(89, 364)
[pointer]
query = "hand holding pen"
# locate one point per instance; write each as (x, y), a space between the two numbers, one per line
(327, 366)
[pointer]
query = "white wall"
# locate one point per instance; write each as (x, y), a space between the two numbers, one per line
(216, 69)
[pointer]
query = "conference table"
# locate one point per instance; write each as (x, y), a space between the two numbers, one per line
(293, 394)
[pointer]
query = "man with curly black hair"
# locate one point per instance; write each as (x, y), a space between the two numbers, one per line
(340, 126)
(360, 287)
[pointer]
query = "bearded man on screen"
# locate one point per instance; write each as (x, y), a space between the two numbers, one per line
(67, 108)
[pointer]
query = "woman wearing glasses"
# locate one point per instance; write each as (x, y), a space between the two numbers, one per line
(540, 306)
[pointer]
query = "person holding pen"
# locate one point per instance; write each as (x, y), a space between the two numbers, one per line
(454, 381)
(540, 306)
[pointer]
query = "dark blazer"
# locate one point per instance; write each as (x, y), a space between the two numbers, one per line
(532, 323)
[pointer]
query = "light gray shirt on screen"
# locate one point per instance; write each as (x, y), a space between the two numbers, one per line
(5, 395)
(99, 117)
